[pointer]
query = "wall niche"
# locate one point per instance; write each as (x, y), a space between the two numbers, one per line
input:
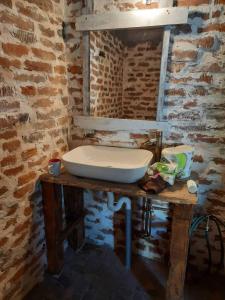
(125, 72)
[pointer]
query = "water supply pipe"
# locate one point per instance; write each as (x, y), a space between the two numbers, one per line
(116, 207)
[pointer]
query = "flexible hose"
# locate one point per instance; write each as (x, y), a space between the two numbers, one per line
(194, 226)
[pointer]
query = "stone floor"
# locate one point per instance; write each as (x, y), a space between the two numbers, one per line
(93, 274)
(97, 274)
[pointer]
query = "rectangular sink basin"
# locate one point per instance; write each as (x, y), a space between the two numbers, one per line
(108, 163)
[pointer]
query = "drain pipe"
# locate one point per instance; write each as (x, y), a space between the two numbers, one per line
(115, 207)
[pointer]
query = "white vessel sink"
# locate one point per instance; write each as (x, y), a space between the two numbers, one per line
(108, 163)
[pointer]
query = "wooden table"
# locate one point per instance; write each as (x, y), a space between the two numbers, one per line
(178, 195)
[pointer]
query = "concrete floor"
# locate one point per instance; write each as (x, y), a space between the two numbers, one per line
(96, 273)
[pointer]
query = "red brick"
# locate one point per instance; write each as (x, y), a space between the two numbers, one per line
(11, 146)
(49, 124)
(13, 49)
(219, 161)
(3, 241)
(213, 27)
(14, 171)
(175, 92)
(19, 240)
(28, 90)
(205, 138)
(47, 31)
(11, 210)
(6, 17)
(58, 80)
(20, 192)
(7, 63)
(29, 77)
(6, 106)
(45, 5)
(47, 91)
(191, 2)
(38, 162)
(5, 123)
(185, 55)
(7, 3)
(205, 78)
(27, 154)
(27, 211)
(23, 179)
(60, 69)
(75, 69)
(206, 42)
(43, 102)
(38, 66)
(21, 227)
(3, 190)
(198, 158)
(18, 275)
(8, 134)
(30, 12)
(10, 222)
(8, 160)
(45, 55)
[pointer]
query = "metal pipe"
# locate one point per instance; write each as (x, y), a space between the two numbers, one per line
(116, 207)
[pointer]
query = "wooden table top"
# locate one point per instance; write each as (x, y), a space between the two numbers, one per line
(178, 193)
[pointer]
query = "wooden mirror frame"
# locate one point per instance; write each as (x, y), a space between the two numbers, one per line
(167, 15)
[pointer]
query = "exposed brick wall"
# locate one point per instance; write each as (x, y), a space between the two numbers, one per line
(106, 71)
(33, 128)
(141, 73)
(123, 80)
(194, 104)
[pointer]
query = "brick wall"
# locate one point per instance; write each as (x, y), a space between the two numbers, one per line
(123, 80)
(33, 128)
(141, 73)
(194, 108)
(106, 71)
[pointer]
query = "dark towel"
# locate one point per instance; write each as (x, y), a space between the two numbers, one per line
(152, 184)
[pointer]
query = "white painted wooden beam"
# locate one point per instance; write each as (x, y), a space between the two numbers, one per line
(133, 19)
(110, 124)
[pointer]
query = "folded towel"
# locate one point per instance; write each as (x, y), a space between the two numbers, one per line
(152, 184)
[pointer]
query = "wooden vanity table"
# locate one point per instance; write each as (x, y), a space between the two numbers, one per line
(72, 186)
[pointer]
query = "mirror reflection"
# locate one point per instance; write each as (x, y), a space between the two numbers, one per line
(124, 73)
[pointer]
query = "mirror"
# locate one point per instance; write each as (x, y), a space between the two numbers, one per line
(125, 73)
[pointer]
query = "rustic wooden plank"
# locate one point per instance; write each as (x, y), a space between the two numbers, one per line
(86, 63)
(110, 124)
(74, 210)
(52, 206)
(175, 194)
(132, 19)
(163, 68)
(182, 216)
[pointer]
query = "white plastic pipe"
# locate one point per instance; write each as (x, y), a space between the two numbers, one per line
(117, 206)
(128, 219)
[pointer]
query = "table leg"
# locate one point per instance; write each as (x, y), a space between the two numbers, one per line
(182, 216)
(52, 206)
(74, 211)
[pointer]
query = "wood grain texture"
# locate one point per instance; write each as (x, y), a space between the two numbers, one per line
(163, 68)
(132, 19)
(182, 216)
(52, 207)
(175, 194)
(110, 124)
(86, 64)
(74, 213)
